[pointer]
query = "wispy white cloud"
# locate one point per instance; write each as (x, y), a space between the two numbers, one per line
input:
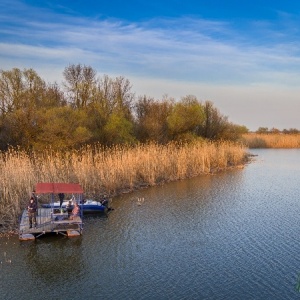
(179, 49)
(174, 56)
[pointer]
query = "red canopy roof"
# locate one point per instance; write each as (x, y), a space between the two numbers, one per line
(55, 188)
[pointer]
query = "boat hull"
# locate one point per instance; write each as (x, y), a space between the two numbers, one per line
(88, 206)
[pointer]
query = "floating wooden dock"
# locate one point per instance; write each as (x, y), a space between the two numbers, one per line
(50, 220)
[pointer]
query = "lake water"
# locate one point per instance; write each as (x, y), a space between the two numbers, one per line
(233, 235)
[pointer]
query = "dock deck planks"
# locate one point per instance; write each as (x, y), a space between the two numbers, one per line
(48, 222)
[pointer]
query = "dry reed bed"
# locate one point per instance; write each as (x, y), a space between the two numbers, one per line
(278, 140)
(109, 171)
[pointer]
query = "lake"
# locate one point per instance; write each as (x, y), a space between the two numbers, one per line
(234, 235)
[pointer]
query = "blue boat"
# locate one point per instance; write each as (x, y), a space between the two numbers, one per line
(88, 206)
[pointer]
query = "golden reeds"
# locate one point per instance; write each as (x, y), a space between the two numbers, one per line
(110, 171)
(276, 140)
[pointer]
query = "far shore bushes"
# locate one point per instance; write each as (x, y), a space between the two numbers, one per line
(271, 140)
(108, 171)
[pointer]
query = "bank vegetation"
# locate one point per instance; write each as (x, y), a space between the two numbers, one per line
(110, 171)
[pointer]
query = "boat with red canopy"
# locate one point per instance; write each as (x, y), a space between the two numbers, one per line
(50, 219)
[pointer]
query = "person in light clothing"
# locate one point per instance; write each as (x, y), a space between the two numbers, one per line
(75, 211)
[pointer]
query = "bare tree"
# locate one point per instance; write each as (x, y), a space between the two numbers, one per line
(214, 123)
(80, 83)
(151, 119)
(11, 90)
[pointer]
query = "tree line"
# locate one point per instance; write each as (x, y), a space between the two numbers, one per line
(87, 109)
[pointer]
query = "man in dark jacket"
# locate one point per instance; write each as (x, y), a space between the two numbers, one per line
(61, 197)
(35, 200)
(32, 212)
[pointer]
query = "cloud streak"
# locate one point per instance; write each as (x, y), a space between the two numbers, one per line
(182, 48)
(190, 51)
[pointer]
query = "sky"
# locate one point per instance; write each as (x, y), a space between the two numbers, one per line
(244, 56)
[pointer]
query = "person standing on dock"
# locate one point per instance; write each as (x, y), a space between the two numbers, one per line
(32, 212)
(69, 208)
(61, 197)
(33, 194)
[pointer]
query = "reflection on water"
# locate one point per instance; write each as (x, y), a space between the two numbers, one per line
(51, 259)
(229, 236)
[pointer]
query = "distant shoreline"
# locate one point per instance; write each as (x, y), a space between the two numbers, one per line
(271, 140)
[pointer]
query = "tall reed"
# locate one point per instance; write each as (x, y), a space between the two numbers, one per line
(276, 140)
(107, 171)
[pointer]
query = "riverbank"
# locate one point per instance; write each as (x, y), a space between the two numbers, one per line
(108, 171)
(270, 140)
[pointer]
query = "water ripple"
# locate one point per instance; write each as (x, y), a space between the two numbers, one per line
(234, 235)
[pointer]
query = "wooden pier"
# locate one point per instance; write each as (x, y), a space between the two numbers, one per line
(50, 220)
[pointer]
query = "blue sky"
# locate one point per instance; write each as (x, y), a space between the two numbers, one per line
(244, 56)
